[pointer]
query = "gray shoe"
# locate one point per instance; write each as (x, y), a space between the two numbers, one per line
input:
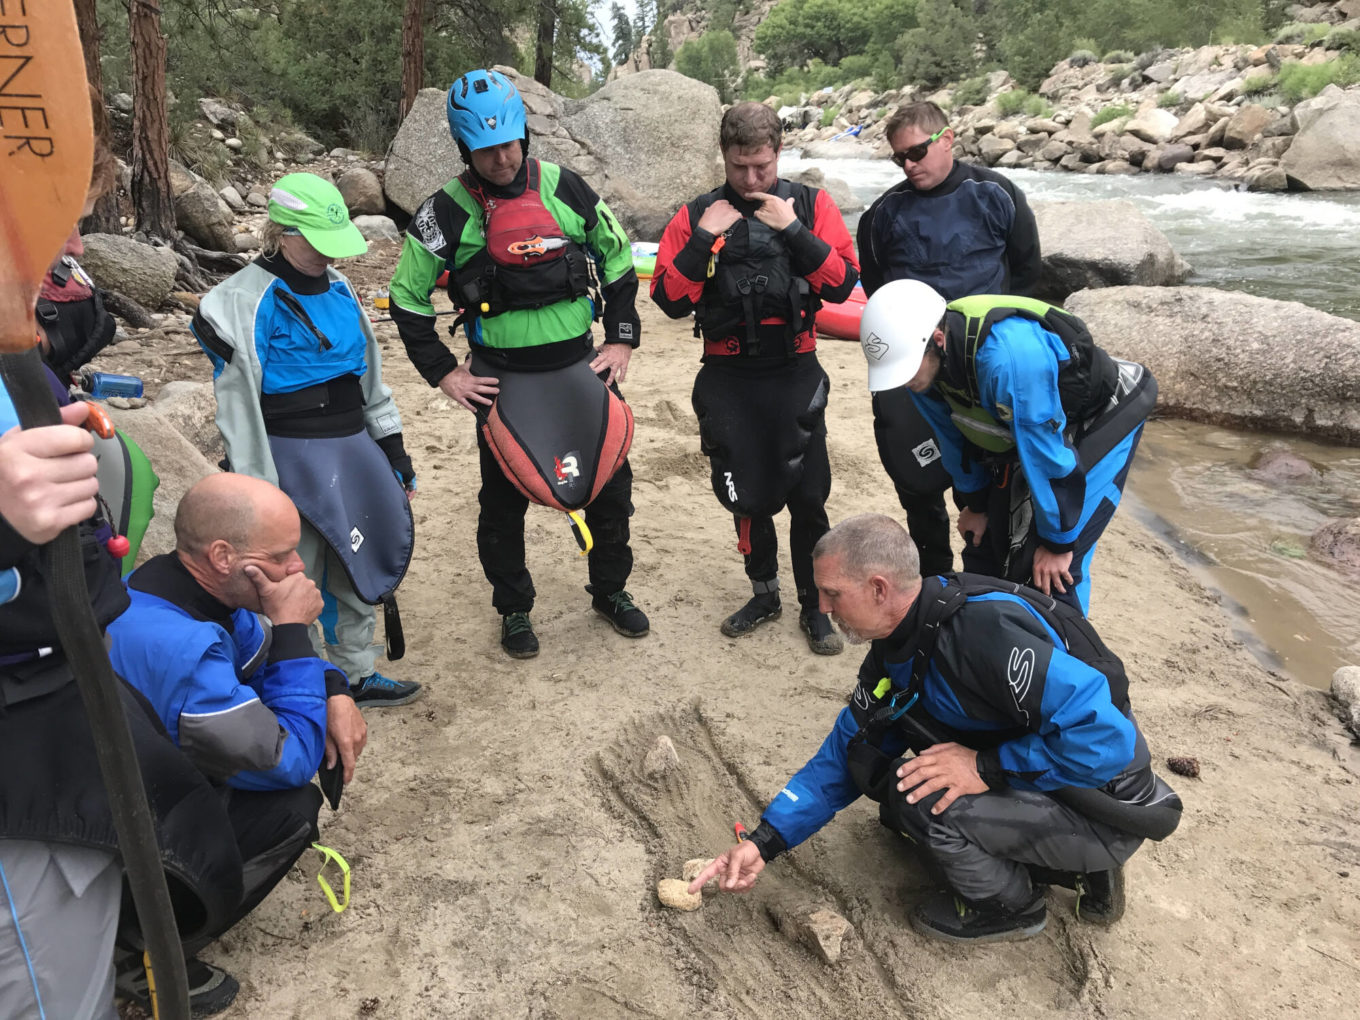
(821, 636)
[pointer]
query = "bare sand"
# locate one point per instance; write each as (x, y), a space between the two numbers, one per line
(505, 842)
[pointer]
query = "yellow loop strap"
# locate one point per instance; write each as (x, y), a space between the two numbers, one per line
(584, 539)
(327, 856)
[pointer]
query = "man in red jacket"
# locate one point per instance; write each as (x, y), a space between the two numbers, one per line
(753, 260)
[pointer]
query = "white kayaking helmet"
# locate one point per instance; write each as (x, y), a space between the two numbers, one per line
(895, 331)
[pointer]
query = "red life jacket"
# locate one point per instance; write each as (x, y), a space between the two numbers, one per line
(528, 261)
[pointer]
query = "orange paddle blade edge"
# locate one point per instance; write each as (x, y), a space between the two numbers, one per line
(46, 147)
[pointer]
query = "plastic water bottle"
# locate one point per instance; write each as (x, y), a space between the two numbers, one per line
(102, 385)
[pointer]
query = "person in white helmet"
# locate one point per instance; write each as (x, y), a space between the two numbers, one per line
(1036, 425)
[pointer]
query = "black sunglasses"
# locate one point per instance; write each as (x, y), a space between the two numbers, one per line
(917, 152)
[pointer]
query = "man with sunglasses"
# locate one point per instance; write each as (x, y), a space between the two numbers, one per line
(963, 230)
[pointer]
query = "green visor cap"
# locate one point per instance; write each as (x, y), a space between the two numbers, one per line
(315, 207)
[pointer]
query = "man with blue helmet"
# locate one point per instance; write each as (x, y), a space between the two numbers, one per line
(519, 238)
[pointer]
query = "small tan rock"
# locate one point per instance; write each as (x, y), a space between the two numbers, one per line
(662, 758)
(825, 931)
(674, 893)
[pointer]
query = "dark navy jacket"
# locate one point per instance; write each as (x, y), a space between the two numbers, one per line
(1001, 681)
(974, 233)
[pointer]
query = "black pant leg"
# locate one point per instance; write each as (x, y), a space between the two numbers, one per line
(500, 536)
(910, 455)
(272, 829)
(611, 559)
(807, 515)
(762, 563)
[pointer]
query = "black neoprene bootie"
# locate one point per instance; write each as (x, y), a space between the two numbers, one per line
(821, 636)
(1100, 896)
(947, 917)
(761, 609)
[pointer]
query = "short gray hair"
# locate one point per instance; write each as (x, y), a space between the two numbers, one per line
(869, 544)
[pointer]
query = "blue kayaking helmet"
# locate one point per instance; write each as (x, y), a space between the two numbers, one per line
(485, 109)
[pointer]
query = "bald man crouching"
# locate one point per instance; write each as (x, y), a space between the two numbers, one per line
(216, 639)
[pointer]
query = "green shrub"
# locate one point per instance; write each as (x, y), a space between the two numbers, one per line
(711, 58)
(1038, 106)
(1303, 81)
(1301, 33)
(829, 115)
(1012, 102)
(1117, 74)
(1081, 58)
(971, 91)
(1169, 99)
(1347, 39)
(1258, 84)
(1117, 57)
(1110, 113)
(856, 66)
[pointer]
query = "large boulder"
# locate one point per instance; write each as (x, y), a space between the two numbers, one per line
(1246, 125)
(1326, 151)
(1152, 124)
(1338, 543)
(191, 407)
(1234, 359)
(839, 191)
(143, 272)
(176, 462)
(199, 211)
(625, 140)
(362, 192)
(1102, 244)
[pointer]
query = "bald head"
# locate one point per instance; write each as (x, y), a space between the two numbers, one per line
(223, 507)
(227, 522)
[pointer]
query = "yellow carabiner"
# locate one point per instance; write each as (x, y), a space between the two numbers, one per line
(581, 532)
(328, 855)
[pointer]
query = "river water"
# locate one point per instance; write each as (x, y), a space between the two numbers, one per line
(1245, 536)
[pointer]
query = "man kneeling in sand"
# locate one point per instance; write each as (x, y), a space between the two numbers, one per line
(244, 697)
(1028, 766)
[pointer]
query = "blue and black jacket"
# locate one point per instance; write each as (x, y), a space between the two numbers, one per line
(973, 233)
(245, 704)
(1000, 680)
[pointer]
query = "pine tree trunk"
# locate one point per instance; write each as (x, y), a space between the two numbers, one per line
(543, 53)
(151, 195)
(412, 54)
(104, 219)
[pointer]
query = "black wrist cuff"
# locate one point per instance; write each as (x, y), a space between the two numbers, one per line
(768, 841)
(337, 684)
(989, 769)
(291, 641)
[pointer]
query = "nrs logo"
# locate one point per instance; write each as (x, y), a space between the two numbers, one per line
(731, 486)
(567, 468)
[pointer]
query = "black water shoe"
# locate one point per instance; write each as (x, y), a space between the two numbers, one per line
(945, 916)
(623, 615)
(761, 609)
(211, 989)
(1100, 896)
(518, 637)
(821, 636)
